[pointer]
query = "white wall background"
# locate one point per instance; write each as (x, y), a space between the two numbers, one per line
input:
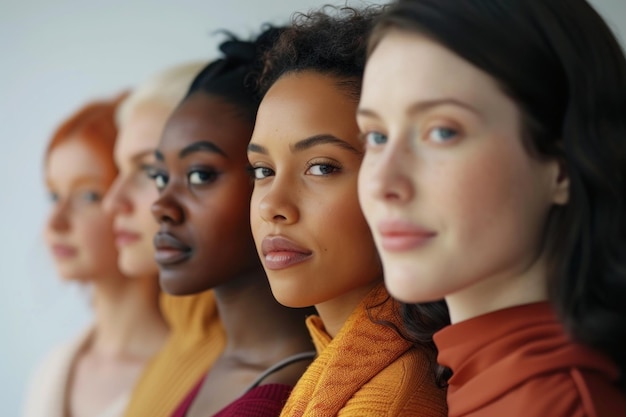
(54, 56)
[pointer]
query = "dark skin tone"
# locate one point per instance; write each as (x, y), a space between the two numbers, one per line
(204, 242)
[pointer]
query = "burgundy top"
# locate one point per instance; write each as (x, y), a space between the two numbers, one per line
(262, 401)
(519, 362)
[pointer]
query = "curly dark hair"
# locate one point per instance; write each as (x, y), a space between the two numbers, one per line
(562, 65)
(331, 40)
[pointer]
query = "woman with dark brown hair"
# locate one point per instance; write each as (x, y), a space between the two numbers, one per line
(495, 177)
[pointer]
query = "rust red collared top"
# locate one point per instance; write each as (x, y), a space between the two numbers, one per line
(519, 362)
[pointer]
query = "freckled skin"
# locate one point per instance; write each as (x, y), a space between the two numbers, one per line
(451, 160)
(311, 197)
(78, 178)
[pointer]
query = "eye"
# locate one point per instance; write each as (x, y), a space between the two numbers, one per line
(322, 169)
(442, 134)
(53, 197)
(90, 196)
(150, 171)
(202, 177)
(374, 138)
(160, 180)
(262, 172)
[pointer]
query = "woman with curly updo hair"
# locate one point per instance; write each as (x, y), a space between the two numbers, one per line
(204, 240)
(311, 235)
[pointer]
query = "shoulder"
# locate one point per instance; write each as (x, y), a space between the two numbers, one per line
(566, 393)
(406, 387)
(47, 386)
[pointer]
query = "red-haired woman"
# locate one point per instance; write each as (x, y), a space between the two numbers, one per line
(94, 374)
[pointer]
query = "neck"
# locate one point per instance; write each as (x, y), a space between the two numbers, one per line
(500, 291)
(253, 320)
(128, 322)
(334, 313)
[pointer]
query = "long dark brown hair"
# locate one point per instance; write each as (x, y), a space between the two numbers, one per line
(561, 64)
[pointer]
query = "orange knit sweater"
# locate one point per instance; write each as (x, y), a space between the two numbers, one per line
(197, 338)
(366, 370)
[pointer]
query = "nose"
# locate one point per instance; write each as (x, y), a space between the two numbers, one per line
(59, 221)
(166, 209)
(387, 176)
(115, 200)
(277, 204)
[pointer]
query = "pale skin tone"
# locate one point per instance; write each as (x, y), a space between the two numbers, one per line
(306, 164)
(128, 329)
(133, 192)
(204, 205)
(456, 203)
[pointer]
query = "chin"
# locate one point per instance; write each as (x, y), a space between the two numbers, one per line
(73, 276)
(404, 285)
(133, 266)
(177, 283)
(290, 297)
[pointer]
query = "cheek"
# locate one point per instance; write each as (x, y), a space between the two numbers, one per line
(364, 188)
(229, 214)
(342, 213)
(96, 235)
(486, 196)
(142, 204)
(255, 215)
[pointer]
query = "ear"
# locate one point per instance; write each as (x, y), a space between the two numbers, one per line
(560, 184)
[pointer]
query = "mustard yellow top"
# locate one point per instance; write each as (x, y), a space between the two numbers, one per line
(368, 369)
(196, 340)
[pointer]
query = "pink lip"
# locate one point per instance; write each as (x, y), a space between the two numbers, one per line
(400, 236)
(280, 252)
(125, 237)
(63, 251)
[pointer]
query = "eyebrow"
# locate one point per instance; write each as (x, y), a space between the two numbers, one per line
(322, 140)
(201, 146)
(428, 104)
(308, 143)
(140, 155)
(253, 147)
(421, 106)
(83, 180)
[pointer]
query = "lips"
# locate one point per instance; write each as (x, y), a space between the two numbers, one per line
(125, 237)
(170, 250)
(280, 252)
(401, 236)
(61, 251)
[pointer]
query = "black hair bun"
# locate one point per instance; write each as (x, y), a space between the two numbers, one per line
(240, 51)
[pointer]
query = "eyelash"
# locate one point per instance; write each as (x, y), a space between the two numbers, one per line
(91, 196)
(160, 175)
(211, 173)
(455, 133)
(333, 165)
(78, 197)
(255, 170)
(365, 138)
(380, 139)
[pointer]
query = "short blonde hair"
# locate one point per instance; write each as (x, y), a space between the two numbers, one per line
(167, 88)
